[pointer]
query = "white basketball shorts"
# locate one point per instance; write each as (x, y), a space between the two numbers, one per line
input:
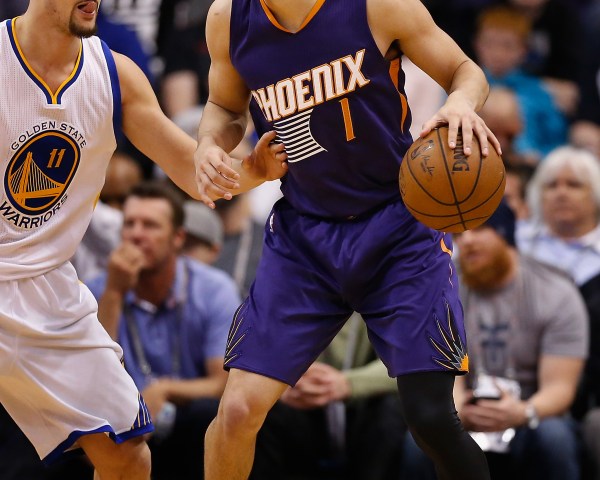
(61, 374)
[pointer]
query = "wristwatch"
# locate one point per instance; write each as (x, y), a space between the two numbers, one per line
(533, 420)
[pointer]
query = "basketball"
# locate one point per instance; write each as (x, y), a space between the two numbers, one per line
(447, 190)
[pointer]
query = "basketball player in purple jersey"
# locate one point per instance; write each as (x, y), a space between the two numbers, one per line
(323, 78)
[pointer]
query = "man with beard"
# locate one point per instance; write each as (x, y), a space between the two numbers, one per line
(64, 97)
(527, 334)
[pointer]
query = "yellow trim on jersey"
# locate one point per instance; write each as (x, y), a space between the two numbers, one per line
(313, 11)
(444, 248)
(53, 96)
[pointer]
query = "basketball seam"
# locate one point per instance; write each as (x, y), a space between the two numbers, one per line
(449, 176)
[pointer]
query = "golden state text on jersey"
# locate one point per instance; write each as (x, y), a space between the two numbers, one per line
(38, 174)
(55, 145)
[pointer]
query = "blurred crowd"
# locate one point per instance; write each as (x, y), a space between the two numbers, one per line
(169, 273)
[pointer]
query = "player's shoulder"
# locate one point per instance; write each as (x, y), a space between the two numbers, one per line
(391, 7)
(220, 10)
(394, 19)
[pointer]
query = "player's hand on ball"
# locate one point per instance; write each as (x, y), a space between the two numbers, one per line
(268, 159)
(458, 114)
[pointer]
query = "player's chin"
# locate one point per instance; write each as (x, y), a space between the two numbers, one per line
(82, 27)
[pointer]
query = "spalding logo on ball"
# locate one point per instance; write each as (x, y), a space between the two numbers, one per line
(447, 190)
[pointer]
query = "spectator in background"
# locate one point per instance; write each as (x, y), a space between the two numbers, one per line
(501, 48)
(184, 83)
(564, 231)
(203, 232)
(122, 175)
(502, 114)
(527, 331)
(242, 241)
(457, 18)
(103, 233)
(585, 131)
(554, 48)
(517, 179)
(341, 420)
(171, 315)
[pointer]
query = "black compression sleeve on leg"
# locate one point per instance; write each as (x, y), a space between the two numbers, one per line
(429, 411)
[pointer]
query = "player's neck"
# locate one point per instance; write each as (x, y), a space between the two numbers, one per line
(290, 14)
(48, 51)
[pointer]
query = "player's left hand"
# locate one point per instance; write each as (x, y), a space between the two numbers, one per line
(457, 113)
(268, 159)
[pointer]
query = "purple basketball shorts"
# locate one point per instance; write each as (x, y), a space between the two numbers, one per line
(314, 273)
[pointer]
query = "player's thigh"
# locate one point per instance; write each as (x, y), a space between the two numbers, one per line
(295, 306)
(412, 307)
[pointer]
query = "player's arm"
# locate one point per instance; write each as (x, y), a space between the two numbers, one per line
(224, 121)
(409, 23)
(151, 131)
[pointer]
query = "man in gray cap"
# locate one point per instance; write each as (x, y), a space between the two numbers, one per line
(204, 232)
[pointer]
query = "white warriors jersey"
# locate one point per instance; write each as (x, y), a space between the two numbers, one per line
(54, 150)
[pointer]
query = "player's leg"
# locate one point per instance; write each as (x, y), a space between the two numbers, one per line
(231, 437)
(292, 313)
(64, 378)
(414, 316)
(428, 408)
(129, 460)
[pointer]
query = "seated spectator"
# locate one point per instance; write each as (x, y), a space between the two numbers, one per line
(585, 130)
(555, 50)
(501, 47)
(203, 232)
(342, 419)
(171, 315)
(527, 331)
(517, 179)
(242, 241)
(123, 173)
(184, 83)
(502, 114)
(564, 231)
(103, 233)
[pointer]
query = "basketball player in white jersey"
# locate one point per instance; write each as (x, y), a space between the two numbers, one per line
(63, 94)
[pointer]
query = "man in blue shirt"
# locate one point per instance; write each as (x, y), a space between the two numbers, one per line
(171, 315)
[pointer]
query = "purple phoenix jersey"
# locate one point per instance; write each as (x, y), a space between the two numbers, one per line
(337, 105)
(335, 102)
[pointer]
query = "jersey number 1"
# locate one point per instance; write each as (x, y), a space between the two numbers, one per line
(347, 119)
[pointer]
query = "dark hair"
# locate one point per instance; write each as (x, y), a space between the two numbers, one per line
(161, 190)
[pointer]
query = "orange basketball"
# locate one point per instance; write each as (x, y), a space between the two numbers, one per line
(446, 189)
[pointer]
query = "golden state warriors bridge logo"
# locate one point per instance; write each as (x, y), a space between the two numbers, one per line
(37, 177)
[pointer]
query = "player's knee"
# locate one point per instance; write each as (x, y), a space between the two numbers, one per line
(429, 423)
(239, 412)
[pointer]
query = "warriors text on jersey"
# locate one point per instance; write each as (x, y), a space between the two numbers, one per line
(335, 102)
(54, 149)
